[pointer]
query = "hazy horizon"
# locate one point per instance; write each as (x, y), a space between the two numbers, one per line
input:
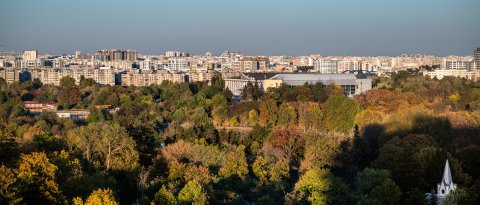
(339, 28)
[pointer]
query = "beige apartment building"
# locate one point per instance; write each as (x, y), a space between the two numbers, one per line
(145, 79)
(52, 76)
(441, 73)
(10, 74)
(250, 64)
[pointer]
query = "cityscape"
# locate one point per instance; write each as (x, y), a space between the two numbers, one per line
(247, 103)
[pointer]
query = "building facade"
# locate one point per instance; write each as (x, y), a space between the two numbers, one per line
(10, 74)
(441, 73)
(476, 58)
(349, 82)
(30, 55)
(52, 76)
(133, 78)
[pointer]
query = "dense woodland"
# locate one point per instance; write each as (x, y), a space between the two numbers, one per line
(167, 144)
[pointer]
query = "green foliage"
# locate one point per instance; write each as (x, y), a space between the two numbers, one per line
(271, 170)
(321, 152)
(86, 82)
(235, 163)
(8, 146)
(458, 196)
(315, 183)
(8, 192)
(340, 114)
(251, 92)
(377, 187)
(163, 196)
(67, 82)
(192, 193)
(286, 116)
(104, 143)
(253, 117)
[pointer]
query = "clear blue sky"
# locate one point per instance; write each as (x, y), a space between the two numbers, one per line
(271, 27)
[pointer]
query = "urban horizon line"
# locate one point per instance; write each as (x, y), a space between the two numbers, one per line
(218, 52)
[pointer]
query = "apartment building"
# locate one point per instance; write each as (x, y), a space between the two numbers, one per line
(52, 76)
(178, 64)
(441, 73)
(325, 66)
(30, 55)
(10, 74)
(145, 79)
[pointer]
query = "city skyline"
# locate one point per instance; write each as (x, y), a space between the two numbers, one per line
(343, 28)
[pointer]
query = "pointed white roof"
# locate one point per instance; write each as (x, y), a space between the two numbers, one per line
(447, 175)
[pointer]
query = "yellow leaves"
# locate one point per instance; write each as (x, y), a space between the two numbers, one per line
(462, 119)
(455, 97)
(188, 161)
(198, 173)
(367, 117)
(192, 193)
(235, 163)
(77, 201)
(36, 164)
(270, 169)
(37, 175)
(316, 182)
(101, 197)
(259, 169)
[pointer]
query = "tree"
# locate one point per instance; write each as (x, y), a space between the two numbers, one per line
(36, 176)
(376, 185)
(85, 82)
(192, 193)
(387, 193)
(8, 191)
(271, 170)
(321, 152)
(286, 116)
(251, 92)
(69, 93)
(3, 84)
(315, 183)
(458, 196)
(106, 143)
(8, 146)
(219, 115)
(268, 112)
(67, 82)
(164, 196)
(235, 163)
(470, 160)
(340, 114)
(36, 83)
(252, 117)
(101, 197)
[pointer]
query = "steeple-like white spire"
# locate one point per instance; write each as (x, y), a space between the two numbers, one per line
(446, 185)
(447, 175)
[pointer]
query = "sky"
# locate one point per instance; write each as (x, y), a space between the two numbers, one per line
(253, 27)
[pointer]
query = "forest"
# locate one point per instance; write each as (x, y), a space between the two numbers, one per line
(194, 143)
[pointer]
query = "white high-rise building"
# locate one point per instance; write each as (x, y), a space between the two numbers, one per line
(325, 66)
(146, 65)
(30, 55)
(171, 54)
(178, 64)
